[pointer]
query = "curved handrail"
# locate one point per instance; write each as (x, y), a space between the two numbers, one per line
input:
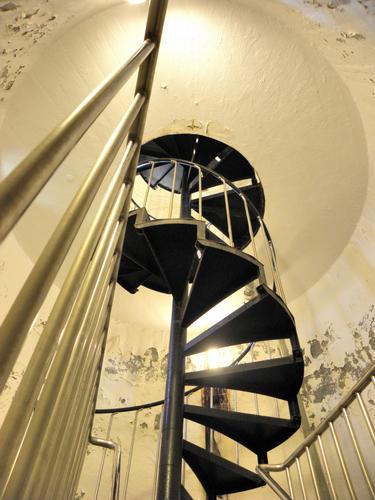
(247, 202)
(161, 401)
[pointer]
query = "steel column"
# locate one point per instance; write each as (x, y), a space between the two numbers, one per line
(169, 478)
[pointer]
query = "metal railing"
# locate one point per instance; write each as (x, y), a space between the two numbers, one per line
(47, 427)
(318, 437)
(227, 186)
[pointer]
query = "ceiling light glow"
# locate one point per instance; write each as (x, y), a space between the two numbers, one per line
(133, 2)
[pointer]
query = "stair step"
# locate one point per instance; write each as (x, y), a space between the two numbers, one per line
(136, 246)
(131, 276)
(221, 271)
(213, 209)
(174, 246)
(256, 432)
(265, 317)
(217, 475)
(280, 378)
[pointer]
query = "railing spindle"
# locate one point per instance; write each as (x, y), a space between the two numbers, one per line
(290, 485)
(326, 468)
(227, 210)
(358, 452)
(255, 394)
(250, 227)
(149, 184)
(172, 191)
(301, 480)
(200, 192)
(131, 448)
(366, 416)
(342, 461)
(313, 475)
(101, 466)
(18, 321)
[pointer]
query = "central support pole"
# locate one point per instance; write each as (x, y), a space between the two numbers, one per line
(169, 479)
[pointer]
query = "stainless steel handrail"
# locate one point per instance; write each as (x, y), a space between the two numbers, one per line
(264, 470)
(20, 188)
(248, 205)
(47, 426)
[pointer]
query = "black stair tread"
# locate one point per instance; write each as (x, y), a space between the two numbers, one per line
(213, 209)
(132, 281)
(280, 378)
(265, 317)
(256, 432)
(136, 246)
(156, 283)
(221, 271)
(174, 245)
(185, 495)
(217, 475)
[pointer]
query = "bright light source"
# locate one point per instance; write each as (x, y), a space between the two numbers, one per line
(219, 357)
(133, 2)
(217, 159)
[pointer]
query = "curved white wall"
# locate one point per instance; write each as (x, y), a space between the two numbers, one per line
(289, 83)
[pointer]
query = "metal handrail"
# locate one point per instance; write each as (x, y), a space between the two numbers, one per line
(340, 409)
(19, 189)
(47, 426)
(270, 248)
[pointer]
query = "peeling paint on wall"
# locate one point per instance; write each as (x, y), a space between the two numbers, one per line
(326, 381)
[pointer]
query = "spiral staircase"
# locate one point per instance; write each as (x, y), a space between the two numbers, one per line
(199, 259)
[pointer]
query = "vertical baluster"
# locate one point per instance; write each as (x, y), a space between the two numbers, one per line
(366, 416)
(104, 452)
(312, 473)
(158, 454)
(358, 452)
(237, 445)
(342, 462)
(270, 357)
(184, 433)
(149, 184)
(255, 394)
(211, 430)
(250, 227)
(325, 464)
(301, 478)
(277, 274)
(172, 191)
(290, 486)
(268, 252)
(127, 474)
(227, 210)
(200, 175)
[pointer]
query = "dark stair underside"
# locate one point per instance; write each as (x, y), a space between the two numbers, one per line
(217, 475)
(279, 378)
(264, 318)
(256, 432)
(220, 272)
